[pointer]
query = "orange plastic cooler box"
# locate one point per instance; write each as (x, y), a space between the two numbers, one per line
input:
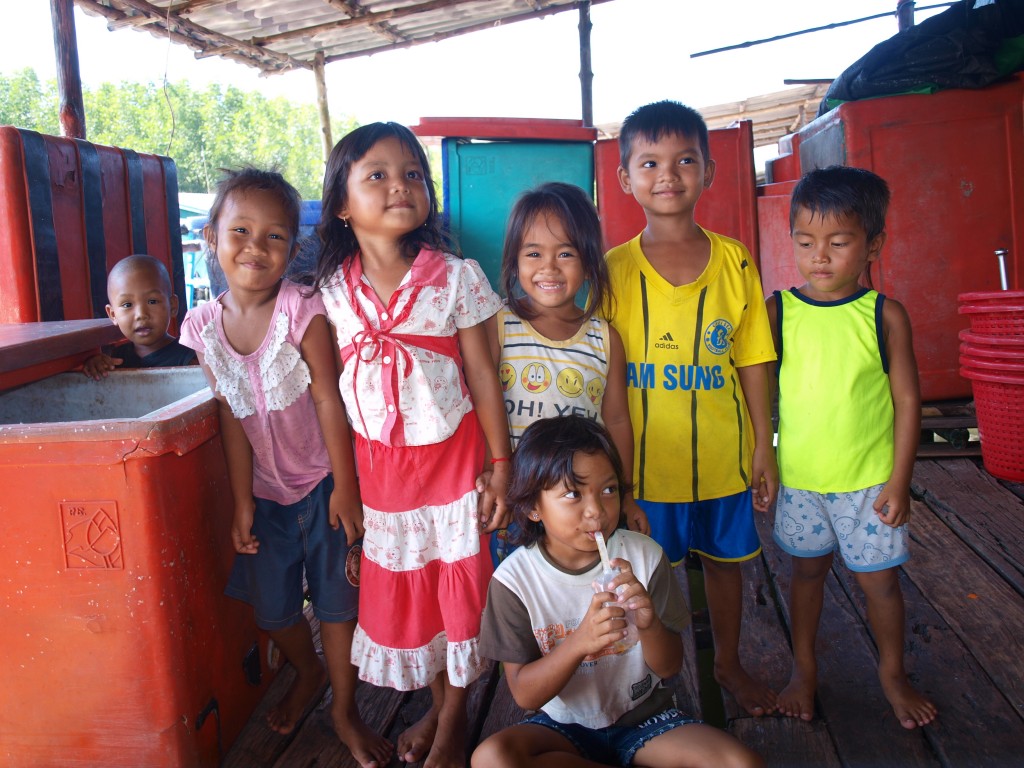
(119, 646)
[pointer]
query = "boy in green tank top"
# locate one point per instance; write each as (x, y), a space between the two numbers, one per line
(849, 423)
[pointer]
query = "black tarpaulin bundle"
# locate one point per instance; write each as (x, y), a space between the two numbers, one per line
(969, 45)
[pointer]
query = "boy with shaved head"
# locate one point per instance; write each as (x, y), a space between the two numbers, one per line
(141, 305)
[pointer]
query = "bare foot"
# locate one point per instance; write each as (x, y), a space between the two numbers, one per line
(910, 707)
(753, 695)
(369, 748)
(449, 749)
(288, 712)
(797, 698)
(416, 740)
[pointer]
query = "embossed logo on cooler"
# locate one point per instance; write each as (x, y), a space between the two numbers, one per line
(92, 534)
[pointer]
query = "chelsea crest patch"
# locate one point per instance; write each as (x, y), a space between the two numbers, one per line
(716, 337)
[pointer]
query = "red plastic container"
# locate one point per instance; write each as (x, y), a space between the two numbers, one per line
(992, 299)
(999, 405)
(991, 355)
(994, 313)
(119, 646)
(994, 364)
(993, 352)
(777, 263)
(954, 161)
(979, 341)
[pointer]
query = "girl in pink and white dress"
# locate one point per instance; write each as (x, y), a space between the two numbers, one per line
(266, 349)
(428, 417)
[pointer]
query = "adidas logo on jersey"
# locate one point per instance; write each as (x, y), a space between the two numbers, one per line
(666, 342)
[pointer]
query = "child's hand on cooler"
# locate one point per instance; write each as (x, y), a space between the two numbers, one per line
(241, 530)
(345, 512)
(636, 518)
(630, 593)
(893, 506)
(97, 366)
(765, 487)
(493, 486)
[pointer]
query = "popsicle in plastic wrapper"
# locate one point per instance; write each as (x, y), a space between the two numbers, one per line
(603, 584)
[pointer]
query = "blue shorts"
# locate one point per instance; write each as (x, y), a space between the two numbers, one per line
(616, 744)
(721, 529)
(809, 524)
(293, 538)
(501, 543)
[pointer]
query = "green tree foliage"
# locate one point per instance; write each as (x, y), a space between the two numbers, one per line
(28, 103)
(204, 131)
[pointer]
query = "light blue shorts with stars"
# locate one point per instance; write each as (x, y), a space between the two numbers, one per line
(809, 524)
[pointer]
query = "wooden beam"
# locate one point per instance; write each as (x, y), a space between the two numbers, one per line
(224, 43)
(114, 16)
(388, 32)
(257, 51)
(191, 6)
(321, 103)
(549, 11)
(904, 15)
(69, 78)
(132, 22)
(359, 20)
(346, 7)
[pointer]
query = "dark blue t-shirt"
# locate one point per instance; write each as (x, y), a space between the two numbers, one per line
(174, 354)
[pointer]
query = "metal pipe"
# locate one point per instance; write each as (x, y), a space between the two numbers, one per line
(1001, 255)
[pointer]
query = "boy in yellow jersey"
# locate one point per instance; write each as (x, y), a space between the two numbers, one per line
(849, 423)
(690, 310)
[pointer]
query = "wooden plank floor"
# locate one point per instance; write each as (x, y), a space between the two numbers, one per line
(964, 593)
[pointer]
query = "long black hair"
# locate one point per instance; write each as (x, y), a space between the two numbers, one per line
(337, 242)
(575, 210)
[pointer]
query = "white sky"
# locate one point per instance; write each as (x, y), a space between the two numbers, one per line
(640, 50)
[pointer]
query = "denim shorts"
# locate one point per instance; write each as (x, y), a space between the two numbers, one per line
(295, 538)
(615, 744)
(722, 528)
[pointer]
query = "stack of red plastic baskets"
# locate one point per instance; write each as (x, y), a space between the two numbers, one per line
(992, 358)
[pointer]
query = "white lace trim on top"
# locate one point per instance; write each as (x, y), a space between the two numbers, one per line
(409, 669)
(407, 541)
(284, 375)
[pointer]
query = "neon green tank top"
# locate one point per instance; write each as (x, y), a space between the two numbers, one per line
(835, 405)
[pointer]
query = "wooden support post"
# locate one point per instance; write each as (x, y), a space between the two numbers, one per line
(904, 14)
(69, 79)
(321, 102)
(586, 73)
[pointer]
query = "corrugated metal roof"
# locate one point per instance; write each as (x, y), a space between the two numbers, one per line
(280, 35)
(774, 115)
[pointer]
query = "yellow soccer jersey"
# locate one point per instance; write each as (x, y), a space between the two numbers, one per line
(693, 438)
